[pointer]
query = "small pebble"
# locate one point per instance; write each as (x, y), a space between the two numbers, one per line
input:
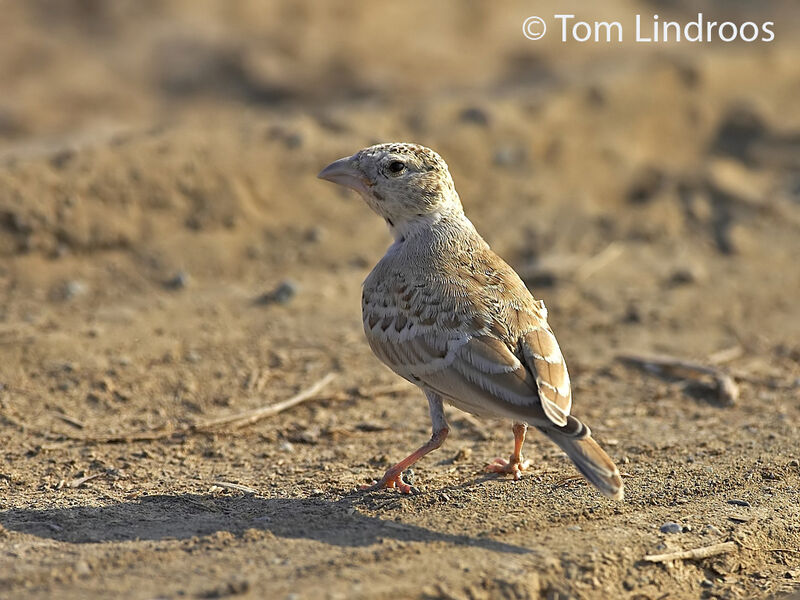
(671, 527)
(629, 584)
(737, 502)
(632, 314)
(686, 275)
(646, 184)
(408, 475)
(293, 140)
(62, 158)
(73, 289)
(282, 294)
(474, 115)
(596, 96)
(462, 454)
(82, 567)
(707, 583)
(315, 234)
(178, 281)
(711, 530)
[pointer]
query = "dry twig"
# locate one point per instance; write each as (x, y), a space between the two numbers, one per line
(238, 420)
(253, 416)
(244, 418)
(608, 255)
(726, 355)
(234, 486)
(70, 420)
(727, 390)
(76, 483)
(693, 554)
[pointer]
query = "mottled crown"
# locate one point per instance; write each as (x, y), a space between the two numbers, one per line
(421, 155)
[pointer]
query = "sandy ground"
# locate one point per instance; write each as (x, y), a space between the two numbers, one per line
(154, 194)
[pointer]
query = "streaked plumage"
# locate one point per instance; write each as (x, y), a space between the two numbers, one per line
(446, 313)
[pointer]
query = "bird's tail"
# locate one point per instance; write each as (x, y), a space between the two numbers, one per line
(594, 464)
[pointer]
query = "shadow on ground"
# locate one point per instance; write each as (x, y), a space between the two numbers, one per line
(183, 516)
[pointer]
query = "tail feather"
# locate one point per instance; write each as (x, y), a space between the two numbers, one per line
(590, 459)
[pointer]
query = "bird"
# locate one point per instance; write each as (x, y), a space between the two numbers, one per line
(446, 313)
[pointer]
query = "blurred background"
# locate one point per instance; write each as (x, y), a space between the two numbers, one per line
(167, 254)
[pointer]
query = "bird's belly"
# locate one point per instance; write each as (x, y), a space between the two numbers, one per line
(477, 409)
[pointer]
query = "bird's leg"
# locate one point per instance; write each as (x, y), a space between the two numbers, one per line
(393, 478)
(514, 465)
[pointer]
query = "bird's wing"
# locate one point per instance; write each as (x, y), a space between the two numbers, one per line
(478, 373)
(479, 339)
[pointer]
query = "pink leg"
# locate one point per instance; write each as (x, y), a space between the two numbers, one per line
(393, 478)
(514, 465)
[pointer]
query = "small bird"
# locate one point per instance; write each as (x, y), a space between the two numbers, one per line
(443, 311)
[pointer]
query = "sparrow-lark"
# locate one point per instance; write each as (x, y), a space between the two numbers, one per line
(446, 313)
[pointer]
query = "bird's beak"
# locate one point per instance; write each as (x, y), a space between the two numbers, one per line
(344, 172)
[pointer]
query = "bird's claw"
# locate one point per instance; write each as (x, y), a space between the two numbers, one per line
(501, 465)
(391, 481)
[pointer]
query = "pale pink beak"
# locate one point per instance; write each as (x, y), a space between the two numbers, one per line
(345, 172)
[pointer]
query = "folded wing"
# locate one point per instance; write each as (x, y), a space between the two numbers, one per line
(478, 373)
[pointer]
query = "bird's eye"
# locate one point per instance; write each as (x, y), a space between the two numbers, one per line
(396, 167)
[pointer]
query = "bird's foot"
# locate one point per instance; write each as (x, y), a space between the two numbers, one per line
(514, 467)
(391, 481)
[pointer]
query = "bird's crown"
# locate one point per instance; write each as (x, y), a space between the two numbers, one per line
(423, 157)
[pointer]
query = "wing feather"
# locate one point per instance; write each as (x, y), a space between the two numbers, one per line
(544, 358)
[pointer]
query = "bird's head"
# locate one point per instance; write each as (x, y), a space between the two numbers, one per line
(406, 184)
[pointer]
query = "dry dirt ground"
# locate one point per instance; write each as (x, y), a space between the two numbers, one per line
(153, 200)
